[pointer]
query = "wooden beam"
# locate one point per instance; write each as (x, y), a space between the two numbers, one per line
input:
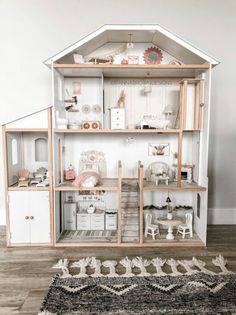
(184, 104)
(129, 66)
(201, 104)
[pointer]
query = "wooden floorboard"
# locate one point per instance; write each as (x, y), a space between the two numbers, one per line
(25, 273)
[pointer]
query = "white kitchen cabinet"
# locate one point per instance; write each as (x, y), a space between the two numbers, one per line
(29, 217)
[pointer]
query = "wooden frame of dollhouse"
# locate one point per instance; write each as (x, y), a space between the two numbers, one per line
(192, 75)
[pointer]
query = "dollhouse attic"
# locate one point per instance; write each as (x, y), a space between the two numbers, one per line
(135, 33)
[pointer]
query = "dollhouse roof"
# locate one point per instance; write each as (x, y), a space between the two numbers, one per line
(141, 33)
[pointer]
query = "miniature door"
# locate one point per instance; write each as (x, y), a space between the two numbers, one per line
(29, 217)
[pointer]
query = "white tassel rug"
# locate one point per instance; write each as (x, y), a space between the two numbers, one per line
(90, 286)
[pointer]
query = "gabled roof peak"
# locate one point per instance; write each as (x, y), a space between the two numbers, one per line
(152, 33)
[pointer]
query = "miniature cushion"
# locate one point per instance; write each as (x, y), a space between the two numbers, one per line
(87, 179)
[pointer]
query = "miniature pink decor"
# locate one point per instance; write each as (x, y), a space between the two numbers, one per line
(69, 173)
(87, 179)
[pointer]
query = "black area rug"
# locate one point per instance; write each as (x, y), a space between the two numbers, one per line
(193, 292)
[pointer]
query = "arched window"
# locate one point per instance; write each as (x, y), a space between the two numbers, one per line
(41, 150)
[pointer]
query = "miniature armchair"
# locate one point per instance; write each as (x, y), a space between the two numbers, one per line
(186, 228)
(150, 229)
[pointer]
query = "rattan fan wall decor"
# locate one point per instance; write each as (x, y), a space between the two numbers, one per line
(153, 55)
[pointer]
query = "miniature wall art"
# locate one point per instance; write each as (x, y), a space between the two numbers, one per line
(162, 149)
(153, 55)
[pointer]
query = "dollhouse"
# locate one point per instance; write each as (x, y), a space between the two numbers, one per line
(120, 158)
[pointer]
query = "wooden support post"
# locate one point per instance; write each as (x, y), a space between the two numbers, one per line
(184, 104)
(5, 164)
(60, 161)
(50, 168)
(201, 104)
(179, 166)
(141, 204)
(119, 213)
(195, 106)
(182, 101)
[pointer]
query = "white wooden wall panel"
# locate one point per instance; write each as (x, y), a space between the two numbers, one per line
(58, 94)
(204, 136)
(200, 224)
(91, 94)
(28, 151)
(158, 198)
(137, 103)
(116, 148)
(138, 50)
(190, 107)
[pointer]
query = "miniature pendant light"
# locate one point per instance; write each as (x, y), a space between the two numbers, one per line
(130, 45)
(147, 88)
(168, 200)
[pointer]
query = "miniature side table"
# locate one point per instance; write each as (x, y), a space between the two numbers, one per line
(170, 223)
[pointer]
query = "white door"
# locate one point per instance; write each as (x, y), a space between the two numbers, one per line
(19, 217)
(39, 216)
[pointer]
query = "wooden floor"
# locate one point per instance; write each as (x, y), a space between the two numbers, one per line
(25, 273)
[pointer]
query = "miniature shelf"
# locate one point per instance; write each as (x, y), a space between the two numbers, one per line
(136, 131)
(30, 188)
(139, 70)
(26, 130)
(108, 184)
(150, 186)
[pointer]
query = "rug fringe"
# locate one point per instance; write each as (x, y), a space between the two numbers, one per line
(192, 266)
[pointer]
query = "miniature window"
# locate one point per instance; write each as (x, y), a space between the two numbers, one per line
(14, 152)
(41, 150)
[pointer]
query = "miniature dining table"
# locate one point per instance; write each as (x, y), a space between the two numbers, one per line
(170, 223)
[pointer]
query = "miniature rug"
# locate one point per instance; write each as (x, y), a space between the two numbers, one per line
(189, 288)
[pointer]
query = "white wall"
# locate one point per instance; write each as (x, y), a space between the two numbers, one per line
(33, 30)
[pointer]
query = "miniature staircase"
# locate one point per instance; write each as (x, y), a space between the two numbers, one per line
(130, 212)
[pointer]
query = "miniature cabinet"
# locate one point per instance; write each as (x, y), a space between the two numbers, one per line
(29, 214)
(130, 121)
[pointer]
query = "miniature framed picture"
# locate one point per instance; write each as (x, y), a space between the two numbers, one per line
(158, 149)
(133, 60)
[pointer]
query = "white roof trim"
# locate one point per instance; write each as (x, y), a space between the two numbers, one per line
(154, 27)
(27, 115)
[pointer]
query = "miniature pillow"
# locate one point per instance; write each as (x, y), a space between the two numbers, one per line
(87, 179)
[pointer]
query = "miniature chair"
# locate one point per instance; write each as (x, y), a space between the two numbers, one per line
(186, 228)
(151, 229)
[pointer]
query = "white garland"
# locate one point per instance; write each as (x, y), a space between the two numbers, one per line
(191, 267)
